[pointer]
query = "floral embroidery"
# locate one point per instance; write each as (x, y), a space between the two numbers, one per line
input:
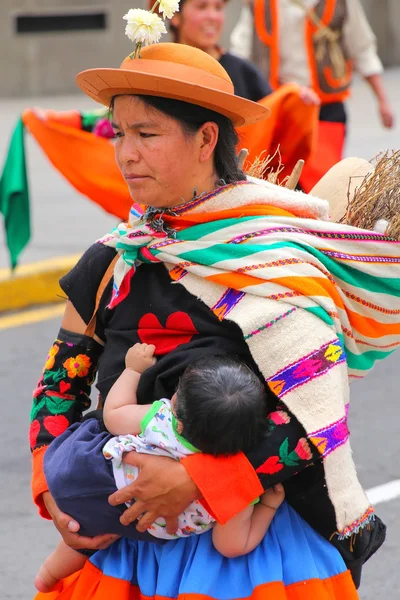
(290, 459)
(279, 417)
(272, 465)
(33, 433)
(303, 449)
(63, 391)
(51, 357)
(55, 425)
(78, 366)
(294, 451)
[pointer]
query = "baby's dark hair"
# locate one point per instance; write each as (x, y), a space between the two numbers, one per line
(222, 405)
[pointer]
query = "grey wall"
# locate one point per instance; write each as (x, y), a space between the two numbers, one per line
(46, 63)
(384, 16)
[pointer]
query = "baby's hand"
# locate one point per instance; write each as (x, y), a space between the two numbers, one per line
(273, 497)
(140, 357)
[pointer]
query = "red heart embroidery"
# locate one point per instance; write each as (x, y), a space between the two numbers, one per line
(179, 329)
(33, 433)
(271, 466)
(56, 425)
(64, 386)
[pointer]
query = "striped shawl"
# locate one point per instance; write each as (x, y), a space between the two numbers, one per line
(318, 303)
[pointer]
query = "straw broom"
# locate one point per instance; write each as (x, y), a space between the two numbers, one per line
(377, 197)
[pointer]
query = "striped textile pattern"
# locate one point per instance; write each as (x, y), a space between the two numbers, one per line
(318, 302)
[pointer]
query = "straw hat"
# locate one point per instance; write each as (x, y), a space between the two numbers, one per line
(339, 184)
(173, 71)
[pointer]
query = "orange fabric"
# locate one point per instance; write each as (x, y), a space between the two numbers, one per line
(91, 584)
(269, 38)
(85, 160)
(39, 483)
(292, 128)
(259, 21)
(69, 118)
(328, 152)
(214, 476)
(179, 223)
(238, 281)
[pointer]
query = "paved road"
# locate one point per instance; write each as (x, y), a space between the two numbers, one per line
(64, 222)
(25, 538)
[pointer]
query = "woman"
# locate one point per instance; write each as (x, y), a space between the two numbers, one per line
(178, 160)
(199, 23)
(294, 109)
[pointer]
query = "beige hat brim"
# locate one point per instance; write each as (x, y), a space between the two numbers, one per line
(103, 84)
(339, 184)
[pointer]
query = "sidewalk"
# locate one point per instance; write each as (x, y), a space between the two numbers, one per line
(64, 222)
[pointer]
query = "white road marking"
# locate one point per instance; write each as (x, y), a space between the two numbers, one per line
(384, 493)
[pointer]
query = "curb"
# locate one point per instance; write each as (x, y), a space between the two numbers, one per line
(35, 283)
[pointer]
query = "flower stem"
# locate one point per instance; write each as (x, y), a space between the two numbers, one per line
(155, 6)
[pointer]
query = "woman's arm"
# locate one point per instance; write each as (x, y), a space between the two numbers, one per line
(245, 531)
(121, 413)
(166, 487)
(63, 391)
(283, 452)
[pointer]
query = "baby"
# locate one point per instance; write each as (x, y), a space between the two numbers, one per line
(219, 408)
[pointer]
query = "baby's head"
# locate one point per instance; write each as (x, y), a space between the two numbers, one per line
(220, 405)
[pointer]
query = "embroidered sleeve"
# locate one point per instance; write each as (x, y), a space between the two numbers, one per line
(61, 396)
(284, 452)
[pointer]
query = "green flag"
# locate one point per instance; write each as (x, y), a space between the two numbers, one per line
(14, 196)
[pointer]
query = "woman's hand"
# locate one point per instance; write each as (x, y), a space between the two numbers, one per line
(163, 489)
(68, 529)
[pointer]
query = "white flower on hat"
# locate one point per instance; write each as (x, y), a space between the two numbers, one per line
(144, 27)
(168, 8)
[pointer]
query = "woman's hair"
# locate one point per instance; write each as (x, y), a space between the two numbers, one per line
(174, 30)
(191, 117)
(222, 406)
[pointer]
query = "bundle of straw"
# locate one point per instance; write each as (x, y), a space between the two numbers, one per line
(377, 197)
(263, 169)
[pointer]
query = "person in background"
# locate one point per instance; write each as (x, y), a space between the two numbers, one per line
(199, 23)
(316, 43)
(294, 109)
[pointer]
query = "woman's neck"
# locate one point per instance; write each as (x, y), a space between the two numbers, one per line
(215, 52)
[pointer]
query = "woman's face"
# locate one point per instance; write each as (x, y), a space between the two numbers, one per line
(200, 23)
(160, 163)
